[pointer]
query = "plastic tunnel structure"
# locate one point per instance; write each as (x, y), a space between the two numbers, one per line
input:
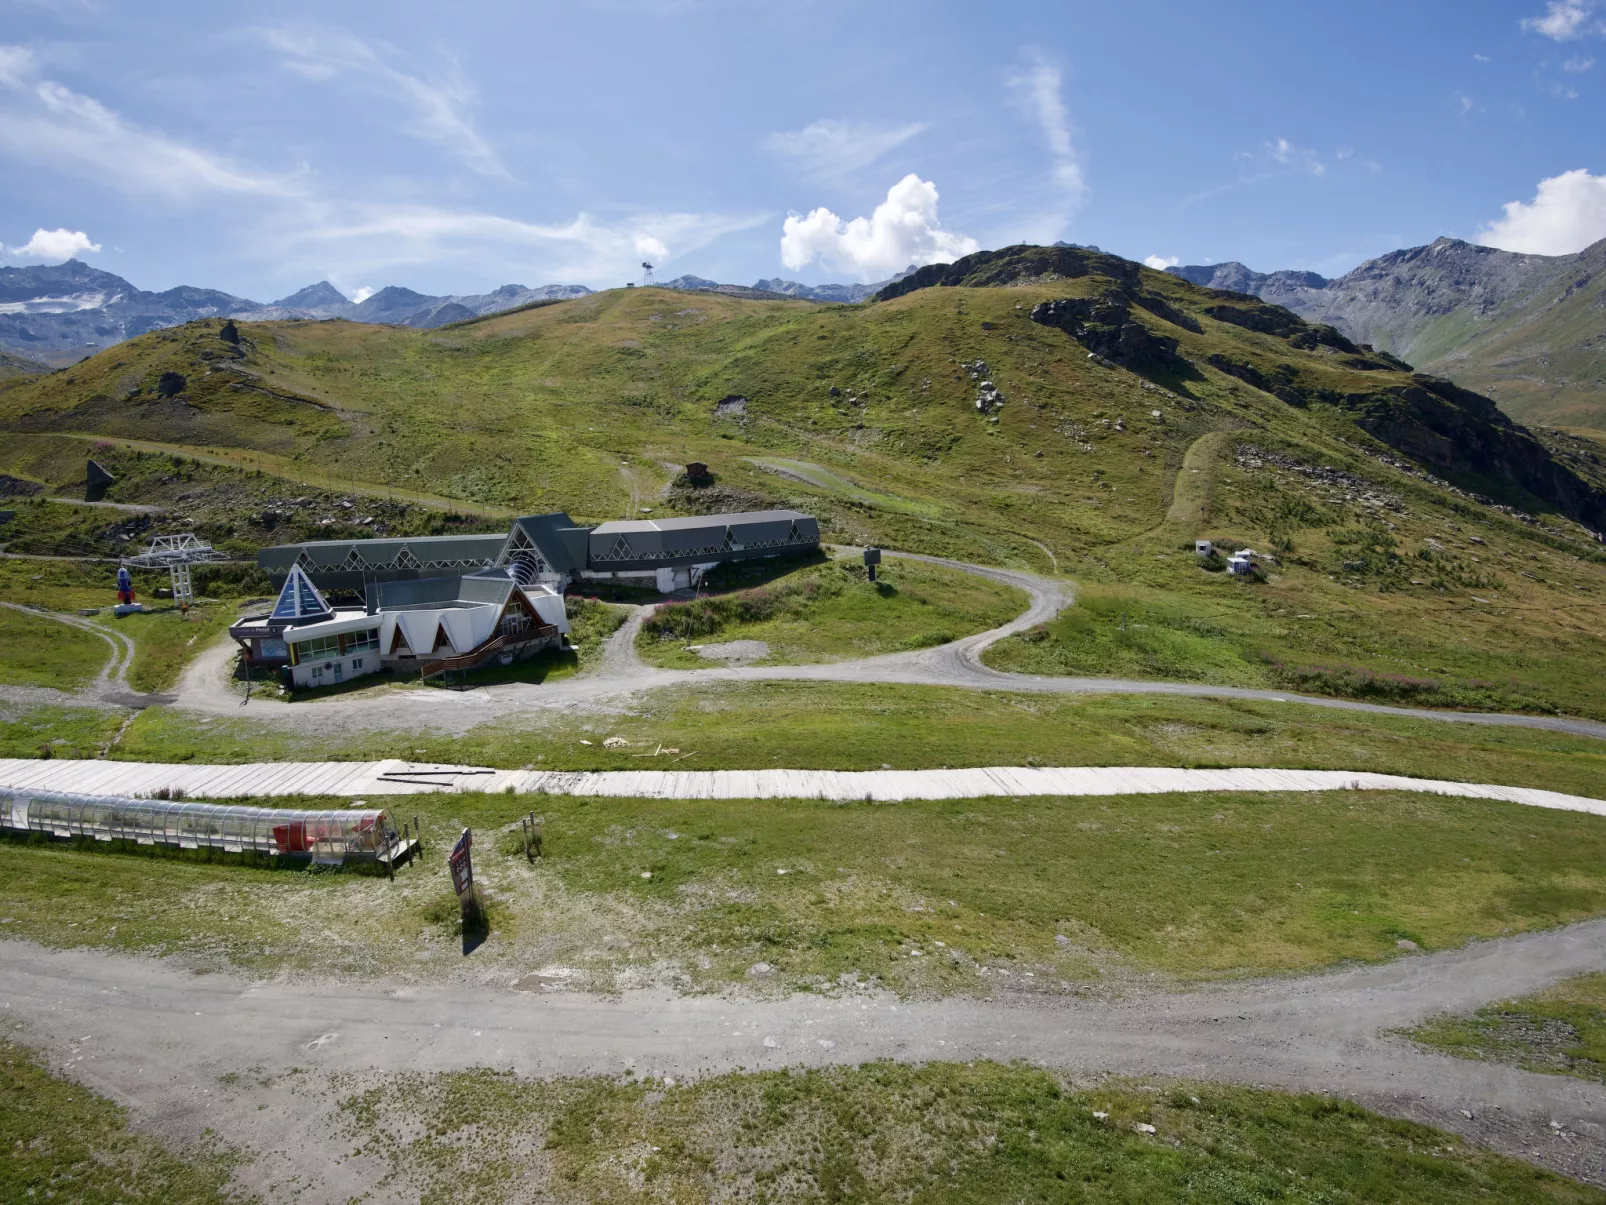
(333, 837)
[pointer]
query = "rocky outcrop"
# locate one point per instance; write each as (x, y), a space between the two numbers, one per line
(1105, 326)
(1010, 265)
(1464, 434)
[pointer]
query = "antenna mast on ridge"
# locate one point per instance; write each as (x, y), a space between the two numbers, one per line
(646, 274)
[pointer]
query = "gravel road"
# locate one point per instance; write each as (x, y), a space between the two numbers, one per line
(620, 674)
(157, 1037)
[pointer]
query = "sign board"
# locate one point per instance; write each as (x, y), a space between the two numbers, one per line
(872, 556)
(462, 866)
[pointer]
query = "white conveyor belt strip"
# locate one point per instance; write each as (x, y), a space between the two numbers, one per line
(394, 777)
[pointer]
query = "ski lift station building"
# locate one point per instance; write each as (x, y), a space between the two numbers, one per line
(454, 602)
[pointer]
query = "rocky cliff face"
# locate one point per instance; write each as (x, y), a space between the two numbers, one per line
(1528, 329)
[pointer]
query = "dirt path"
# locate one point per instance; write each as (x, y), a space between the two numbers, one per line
(158, 1038)
(110, 687)
(621, 674)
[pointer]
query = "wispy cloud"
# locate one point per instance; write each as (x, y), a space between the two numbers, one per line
(1566, 20)
(46, 123)
(1161, 262)
(1280, 157)
(439, 106)
(1036, 88)
(370, 238)
(830, 151)
(1578, 64)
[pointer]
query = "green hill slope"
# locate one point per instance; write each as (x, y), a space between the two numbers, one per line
(1114, 430)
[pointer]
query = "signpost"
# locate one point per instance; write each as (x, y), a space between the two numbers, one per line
(872, 558)
(462, 866)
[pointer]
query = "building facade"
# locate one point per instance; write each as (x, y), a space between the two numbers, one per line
(462, 600)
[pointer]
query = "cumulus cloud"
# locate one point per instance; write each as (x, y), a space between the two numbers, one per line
(1564, 20)
(363, 294)
(832, 150)
(59, 244)
(1567, 214)
(45, 122)
(1035, 86)
(903, 230)
(1161, 262)
(439, 106)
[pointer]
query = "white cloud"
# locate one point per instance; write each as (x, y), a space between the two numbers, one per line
(439, 106)
(363, 294)
(1286, 154)
(1567, 214)
(1565, 20)
(1481, 58)
(1035, 87)
(1161, 262)
(59, 244)
(1465, 103)
(833, 150)
(1579, 64)
(903, 230)
(42, 121)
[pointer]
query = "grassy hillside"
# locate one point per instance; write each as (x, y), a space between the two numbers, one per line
(1254, 428)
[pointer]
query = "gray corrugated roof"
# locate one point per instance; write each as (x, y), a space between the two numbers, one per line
(626, 526)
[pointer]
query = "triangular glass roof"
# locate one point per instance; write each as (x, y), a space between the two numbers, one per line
(300, 600)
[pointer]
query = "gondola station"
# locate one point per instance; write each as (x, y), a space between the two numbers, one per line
(436, 604)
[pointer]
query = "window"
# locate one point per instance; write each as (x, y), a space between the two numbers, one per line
(357, 642)
(323, 648)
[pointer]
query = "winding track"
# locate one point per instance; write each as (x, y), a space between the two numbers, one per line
(110, 687)
(621, 674)
(129, 1028)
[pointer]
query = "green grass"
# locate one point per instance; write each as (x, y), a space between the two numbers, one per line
(35, 651)
(1560, 1031)
(845, 726)
(1207, 635)
(165, 639)
(1037, 894)
(69, 731)
(830, 612)
(65, 1143)
(591, 405)
(981, 1132)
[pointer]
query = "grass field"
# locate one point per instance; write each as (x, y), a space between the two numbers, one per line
(1560, 1031)
(69, 731)
(65, 1143)
(982, 1133)
(845, 726)
(165, 639)
(829, 612)
(35, 651)
(959, 896)
(864, 416)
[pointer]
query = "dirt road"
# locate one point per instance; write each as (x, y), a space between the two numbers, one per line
(621, 674)
(159, 1038)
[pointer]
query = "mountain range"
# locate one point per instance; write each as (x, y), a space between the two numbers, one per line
(58, 314)
(1528, 330)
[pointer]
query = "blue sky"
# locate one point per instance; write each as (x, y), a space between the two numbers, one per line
(457, 147)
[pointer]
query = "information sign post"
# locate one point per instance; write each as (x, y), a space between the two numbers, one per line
(462, 866)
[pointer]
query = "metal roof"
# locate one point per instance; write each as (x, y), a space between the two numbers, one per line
(734, 519)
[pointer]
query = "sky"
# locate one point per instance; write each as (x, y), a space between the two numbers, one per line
(453, 148)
